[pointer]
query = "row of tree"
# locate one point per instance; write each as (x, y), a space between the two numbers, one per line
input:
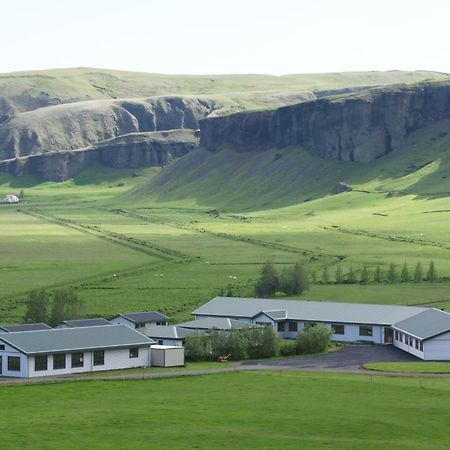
(292, 281)
(377, 276)
(240, 344)
(62, 304)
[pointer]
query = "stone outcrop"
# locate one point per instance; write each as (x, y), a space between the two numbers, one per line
(78, 125)
(360, 127)
(132, 150)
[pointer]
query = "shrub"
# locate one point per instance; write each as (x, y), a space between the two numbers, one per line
(314, 339)
(288, 348)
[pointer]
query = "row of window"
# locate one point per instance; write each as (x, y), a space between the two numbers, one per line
(59, 360)
(409, 340)
(338, 328)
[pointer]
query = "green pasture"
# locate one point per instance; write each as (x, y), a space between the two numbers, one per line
(231, 410)
(410, 367)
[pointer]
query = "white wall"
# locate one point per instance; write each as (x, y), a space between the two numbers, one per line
(114, 359)
(11, 351)
(437, 348)
(400, 343)
(167, 357)
(165, 341)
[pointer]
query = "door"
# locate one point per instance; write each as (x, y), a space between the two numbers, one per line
(388, 335)
(1, 365)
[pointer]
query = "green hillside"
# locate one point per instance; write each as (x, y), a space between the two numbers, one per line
(29, 90)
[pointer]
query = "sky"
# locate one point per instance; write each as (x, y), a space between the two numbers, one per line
(226, 36)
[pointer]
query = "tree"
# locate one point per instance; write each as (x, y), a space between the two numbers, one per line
(365, 275)
(37, 305)
(269, 281)
(405, 273)
(314, 277)
(418, 273)
(392, 273)
(294, 281)
(325, 276)
(339, 275)
(377, 275)
(431, 273)
(66, 306)
(314, 339)
(351, 275)
(21, 194)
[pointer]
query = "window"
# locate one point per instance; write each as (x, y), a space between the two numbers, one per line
(160, 342)
(421, 346)
(59, 361)
(161, 323)
(416, 342)
(280, 327)
(309, 325)
(396, 335)
(40, 363)
(365, 330)
(293, 327)
(134, 352)
(99, 358)
(338, 328)
(140, 325)
(401, 337)
(2, 347)
(77, 359)
(14, 363)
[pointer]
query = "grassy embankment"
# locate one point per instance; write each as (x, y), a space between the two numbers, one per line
(232, 410)
(410, 367)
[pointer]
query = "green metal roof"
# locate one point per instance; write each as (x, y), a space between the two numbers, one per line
(314, 311)
(73, 339)
(425, 325)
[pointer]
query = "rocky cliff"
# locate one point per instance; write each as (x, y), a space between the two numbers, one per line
(360, 127)
(131, 150)
(79, 125)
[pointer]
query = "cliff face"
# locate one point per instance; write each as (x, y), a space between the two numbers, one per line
(78, 125)
(132, 150)
(359, 127)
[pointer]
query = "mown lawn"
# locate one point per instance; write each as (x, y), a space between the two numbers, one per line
(233, 410)
(410, 367)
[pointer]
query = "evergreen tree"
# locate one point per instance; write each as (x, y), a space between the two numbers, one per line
(431, 273)
(268, 282)
(365, 275)
(325, 276)
(339, 275)
(377, 275)
(418, 273)
(392, 273)
(351, 275)
(405, 273)
(37, 305)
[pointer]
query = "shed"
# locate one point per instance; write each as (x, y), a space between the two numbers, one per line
(167, 356)
(139, 320)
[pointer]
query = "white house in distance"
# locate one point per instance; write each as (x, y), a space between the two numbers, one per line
(139, 320)
(62, 351)
(422, 328)
(11, 198)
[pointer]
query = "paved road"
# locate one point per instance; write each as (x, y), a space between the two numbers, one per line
(350, 357)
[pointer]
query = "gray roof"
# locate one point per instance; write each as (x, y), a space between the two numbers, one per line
(166, 332)
(219, 323)
(72, 339)
(86, 322)
(314, 311)
(25, 327)
(426, 324)
(149, 316)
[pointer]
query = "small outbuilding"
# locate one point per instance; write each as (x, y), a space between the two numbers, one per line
(139, 320)
(11, 198)
(170, 335)
(167, 356)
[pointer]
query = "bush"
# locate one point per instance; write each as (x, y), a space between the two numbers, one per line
(314, 339)
(288, 348)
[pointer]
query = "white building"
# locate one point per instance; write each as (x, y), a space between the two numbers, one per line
(428, 329)
(10, 198)
(167, 356)
(64, 351)
(139, 320)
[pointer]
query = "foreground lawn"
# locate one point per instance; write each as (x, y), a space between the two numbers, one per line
(410, 367)
(232, 410)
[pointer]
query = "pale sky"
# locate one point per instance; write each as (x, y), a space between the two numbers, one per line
(226, 36)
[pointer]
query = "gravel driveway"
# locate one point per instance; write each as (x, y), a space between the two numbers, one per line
(350, 357)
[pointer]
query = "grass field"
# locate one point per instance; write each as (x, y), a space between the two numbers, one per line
(410, 367)
(233, 410)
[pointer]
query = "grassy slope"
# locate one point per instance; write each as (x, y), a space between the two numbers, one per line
(236, 410)
(410, 367)
(67, 85)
